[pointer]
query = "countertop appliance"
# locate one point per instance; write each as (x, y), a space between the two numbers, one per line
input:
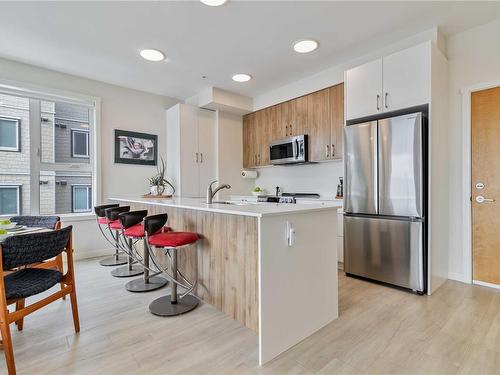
(385, 200)
(291, 150)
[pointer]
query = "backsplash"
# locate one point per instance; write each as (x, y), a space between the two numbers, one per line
(321, 178)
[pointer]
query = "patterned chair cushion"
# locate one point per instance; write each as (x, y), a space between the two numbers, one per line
(30, 281)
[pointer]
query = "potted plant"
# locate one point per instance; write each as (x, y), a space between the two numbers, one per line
(157, 183)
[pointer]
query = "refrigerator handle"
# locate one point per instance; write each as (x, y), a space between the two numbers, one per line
(374, 136)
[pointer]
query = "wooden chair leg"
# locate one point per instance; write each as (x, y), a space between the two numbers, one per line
(19, 306)
(74, 309)
(7, 346)
(60, 268)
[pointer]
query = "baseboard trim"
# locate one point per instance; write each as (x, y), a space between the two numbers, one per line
(489, 285)
(458, 277)
(87, 254)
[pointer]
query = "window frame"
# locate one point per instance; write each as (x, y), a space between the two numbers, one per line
(17, 120)
(89, 198)
(18, 187)
(87, 134)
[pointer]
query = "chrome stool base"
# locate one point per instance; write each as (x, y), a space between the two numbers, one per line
(127, 271)
(164, 307)
(139, 285)
(113, 261)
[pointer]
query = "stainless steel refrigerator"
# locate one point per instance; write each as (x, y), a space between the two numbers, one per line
(385, 201)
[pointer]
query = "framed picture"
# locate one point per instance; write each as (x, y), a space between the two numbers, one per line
(135, 148)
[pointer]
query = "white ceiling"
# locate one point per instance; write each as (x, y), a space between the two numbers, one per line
(101, 40)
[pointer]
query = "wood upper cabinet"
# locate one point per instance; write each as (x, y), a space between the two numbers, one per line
(318, 125)
(320, 115)
(249, 141)
(336, 101)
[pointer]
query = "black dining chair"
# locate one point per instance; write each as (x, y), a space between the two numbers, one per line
(19, 252)
(49, 222)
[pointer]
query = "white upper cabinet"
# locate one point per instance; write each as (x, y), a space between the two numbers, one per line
(406, 78)
(397, 81)
(363, 90)
(191, 149)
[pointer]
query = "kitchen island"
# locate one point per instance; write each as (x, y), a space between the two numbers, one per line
(271, 266)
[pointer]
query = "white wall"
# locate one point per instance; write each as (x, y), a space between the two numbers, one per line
(121, 108)
(474, 58)
(321, 178)
(230, 154)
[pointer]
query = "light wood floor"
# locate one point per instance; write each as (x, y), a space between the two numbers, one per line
(380, 331)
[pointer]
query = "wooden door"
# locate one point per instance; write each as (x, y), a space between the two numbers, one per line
(364, 90)
(406, 78)
(249, 140)
(337, 121)
(485, 137)
(318, 125)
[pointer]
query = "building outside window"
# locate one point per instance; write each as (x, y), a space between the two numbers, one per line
(52, 171)
(10, 200)
(79, 143)
(9, 134)
(81, 198)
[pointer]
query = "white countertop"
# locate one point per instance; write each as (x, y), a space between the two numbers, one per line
(242, 208)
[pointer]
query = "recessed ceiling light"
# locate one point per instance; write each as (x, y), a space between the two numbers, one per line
(152, 55)
(305, 46)
(213, 3)
(242, 77)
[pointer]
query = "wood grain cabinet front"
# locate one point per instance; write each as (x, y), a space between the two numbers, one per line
(320, 115)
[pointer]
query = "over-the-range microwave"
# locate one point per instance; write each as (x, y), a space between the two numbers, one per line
(290, 150)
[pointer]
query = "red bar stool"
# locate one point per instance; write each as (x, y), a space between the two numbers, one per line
(102, 223)
(131, 269)
(173, 304)
(133, 230)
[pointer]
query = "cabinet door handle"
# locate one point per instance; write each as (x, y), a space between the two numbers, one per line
(290, 129)
(327, 151)
(197, 157)
(378, 102)
(386, 101)
(333, 151)
(258, 163)
(201, 157)
(286, 130)
(255, 159)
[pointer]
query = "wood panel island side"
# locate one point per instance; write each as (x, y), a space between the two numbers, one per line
(282, 288)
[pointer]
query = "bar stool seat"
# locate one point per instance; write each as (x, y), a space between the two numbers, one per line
(173, 239)
(102, 220)
(115, 225)
(137, 231)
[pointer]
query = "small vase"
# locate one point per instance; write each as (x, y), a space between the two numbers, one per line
(153, 190)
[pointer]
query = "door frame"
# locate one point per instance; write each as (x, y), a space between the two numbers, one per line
(467, 179)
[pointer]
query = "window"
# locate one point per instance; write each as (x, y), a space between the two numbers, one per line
(9, 134)
(79, 143)
(81, 198)
(57, 153)
(10, 200)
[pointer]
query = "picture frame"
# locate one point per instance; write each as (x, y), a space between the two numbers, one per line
(135, 148)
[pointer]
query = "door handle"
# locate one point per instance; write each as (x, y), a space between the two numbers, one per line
(290, 129)
(201, 157)
(197, 157)
(386, 101)
(333, 151)
(327, 151)
(258, 163)
(378, 102)
(481, 199)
